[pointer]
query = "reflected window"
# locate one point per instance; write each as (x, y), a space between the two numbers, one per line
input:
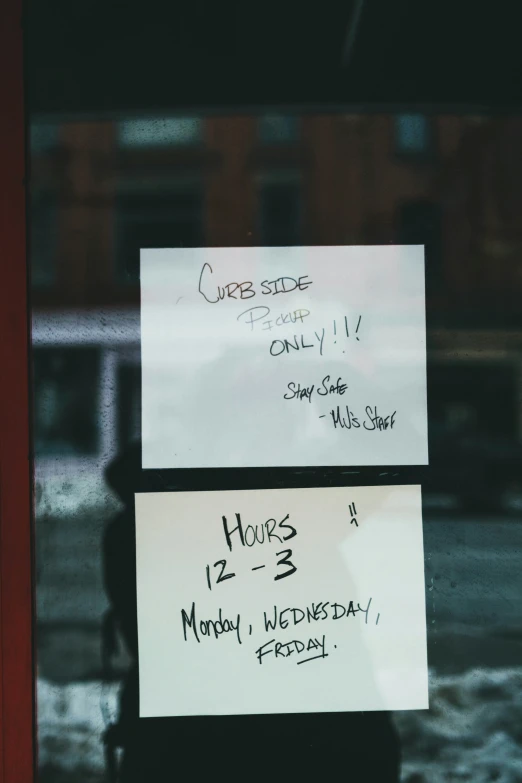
(42, 238)
(278, 129)
(280, 212)
(66, 391)
(413, 135)
(160, 132)
(462, 394)
(43, 137)
(420, 223)
(129, 404)
(156, 220)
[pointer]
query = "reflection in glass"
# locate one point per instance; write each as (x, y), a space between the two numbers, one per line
(43, 137)
(44, 232)
(412, 134)
(100, 190)
(149, 219)
(66, 390)
(278, 129)
(160, 132)
(280, 211)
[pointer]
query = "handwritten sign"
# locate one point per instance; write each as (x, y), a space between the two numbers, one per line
(293, 600)
(283, 356)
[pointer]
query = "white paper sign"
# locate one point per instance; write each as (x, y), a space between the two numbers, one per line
(283, 356)
(280, 601)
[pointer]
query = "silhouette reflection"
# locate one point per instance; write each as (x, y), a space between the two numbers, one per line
(360, 746)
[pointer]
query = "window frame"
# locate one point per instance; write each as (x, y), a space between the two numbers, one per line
(17, 680)
(17, 722)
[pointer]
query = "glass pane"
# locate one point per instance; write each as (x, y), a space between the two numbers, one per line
(278, 129)
(280, 212)
(413, 134)
(101, 189)
(160, 132)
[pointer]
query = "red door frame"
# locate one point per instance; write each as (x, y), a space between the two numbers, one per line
(17, 746)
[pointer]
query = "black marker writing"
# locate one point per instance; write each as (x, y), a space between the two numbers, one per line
(285, 561)
(316, 612)
(331, 388)
(222, 576)
(294, 647)
(245, 290)
(344, 421)
(296, 392)
(230, 290)
(321, 340)
(376, 422)
(259, 534)
(284, 285)
(208, 628)
(283, 346)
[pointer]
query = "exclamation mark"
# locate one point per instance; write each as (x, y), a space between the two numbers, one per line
(358, 324)
(335, 330)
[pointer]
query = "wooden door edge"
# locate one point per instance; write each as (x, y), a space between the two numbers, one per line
(17, 745)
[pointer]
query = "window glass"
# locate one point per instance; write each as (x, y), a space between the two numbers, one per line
(102, 189)
(413, 134)
(280, 211)
(129, 402)
(43, 216)
(43, 137)
(420, 224)
(160, 132)
(66, 383)
(156, 219)
(278, 129)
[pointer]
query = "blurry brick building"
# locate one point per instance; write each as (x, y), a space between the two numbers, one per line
(102, 190)
(334, 179)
